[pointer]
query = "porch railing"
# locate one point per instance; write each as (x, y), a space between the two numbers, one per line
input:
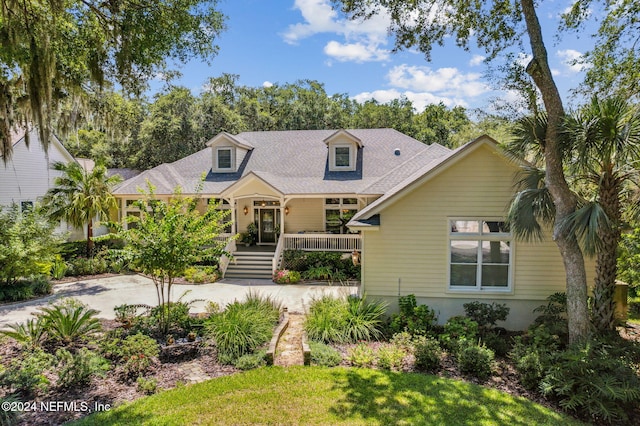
(316, 242)
(345, 243)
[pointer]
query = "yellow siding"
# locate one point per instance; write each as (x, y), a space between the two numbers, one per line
(412, 242)
(305, 214)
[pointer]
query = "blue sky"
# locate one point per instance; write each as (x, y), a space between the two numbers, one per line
(281, 41)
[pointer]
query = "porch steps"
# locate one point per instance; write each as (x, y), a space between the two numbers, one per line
(256, 265)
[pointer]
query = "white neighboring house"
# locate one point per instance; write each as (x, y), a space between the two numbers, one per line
(27, 176)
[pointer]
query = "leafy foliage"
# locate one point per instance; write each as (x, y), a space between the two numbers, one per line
(251, 361)
(390, 357)
(588, 380)
(427, 353)
(28, 241)
(629, 259)
(31, 334)
(77, 369)
(170, 236)
(361, 355)
(458, 328)
(136, 352)
(416, 320)
(79, 195)
(25, 375)
(69, 322)
(486, 315)
(475, 359)
(53, 51)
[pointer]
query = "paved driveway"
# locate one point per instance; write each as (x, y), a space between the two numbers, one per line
(105, 293)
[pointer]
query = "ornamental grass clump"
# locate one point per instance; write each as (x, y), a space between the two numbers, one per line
(332, 320)
(243, 326)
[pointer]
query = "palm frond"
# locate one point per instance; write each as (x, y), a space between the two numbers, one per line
(586, 223)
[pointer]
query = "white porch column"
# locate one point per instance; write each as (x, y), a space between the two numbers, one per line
(282, 215)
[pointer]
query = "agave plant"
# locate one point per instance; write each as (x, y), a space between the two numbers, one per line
(30, 334)
(68, 323)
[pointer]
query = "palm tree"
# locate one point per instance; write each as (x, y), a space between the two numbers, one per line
(605, 137)
(601, 147)
(80, 195)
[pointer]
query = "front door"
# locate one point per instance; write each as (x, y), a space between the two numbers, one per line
(267, 225)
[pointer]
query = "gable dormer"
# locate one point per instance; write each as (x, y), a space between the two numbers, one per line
(343, 151)
(227, 152)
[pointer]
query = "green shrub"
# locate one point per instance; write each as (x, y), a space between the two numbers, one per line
(427, 353)
(414, 319)
(25, 289)
(146, 386)
(135, 352)
(201, 274)
(486, 315)
(324, 355)
(403, 340)
(390, 357)
(553, 316)
(69, 322)
(361, 355)
(498, 342)
(26, 375)
(243, 326)
(458, 328)
(251, 361)
(587, 380)
(333, 320)
(77, 369)
(9, 417)
(31, 334)
(475, 360)
(88, 266)
(533, 354)
(319, 273)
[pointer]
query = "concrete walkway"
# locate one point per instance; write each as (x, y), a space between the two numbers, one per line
(104, 294)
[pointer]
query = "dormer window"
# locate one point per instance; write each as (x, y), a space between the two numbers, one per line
(225, 158)
(343, 151)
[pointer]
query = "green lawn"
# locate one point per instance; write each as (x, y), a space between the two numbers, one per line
(330, 396)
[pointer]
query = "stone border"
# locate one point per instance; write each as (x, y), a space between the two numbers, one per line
(277, 334)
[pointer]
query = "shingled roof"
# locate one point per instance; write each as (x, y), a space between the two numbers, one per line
(296, 162)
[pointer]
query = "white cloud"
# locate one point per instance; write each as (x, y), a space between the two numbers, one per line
(418, 100)
(356, 52)
(447, 82)
(571, 59)
(476, 60)
(267, 84)
(363, 40)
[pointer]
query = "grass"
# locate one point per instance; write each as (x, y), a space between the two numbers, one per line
(330, 396)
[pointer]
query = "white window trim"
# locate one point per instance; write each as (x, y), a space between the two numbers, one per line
(353, 150)
(232, 158)
(468, 236)
(340, 206)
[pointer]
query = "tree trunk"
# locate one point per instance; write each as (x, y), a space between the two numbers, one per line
(606, 259)
(89, 238)
(565, 203)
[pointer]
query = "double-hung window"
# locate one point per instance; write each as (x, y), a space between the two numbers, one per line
(342, 156)
(480, 255)
(224, 158)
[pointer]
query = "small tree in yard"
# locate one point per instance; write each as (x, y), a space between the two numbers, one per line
(170, 236)
(27, 241)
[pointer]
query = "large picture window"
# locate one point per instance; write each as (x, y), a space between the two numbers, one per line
(337, 212)
(480, 253)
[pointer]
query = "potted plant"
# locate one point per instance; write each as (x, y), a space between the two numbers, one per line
(252, 234)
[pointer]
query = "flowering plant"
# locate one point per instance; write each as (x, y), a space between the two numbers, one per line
(285, 276)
